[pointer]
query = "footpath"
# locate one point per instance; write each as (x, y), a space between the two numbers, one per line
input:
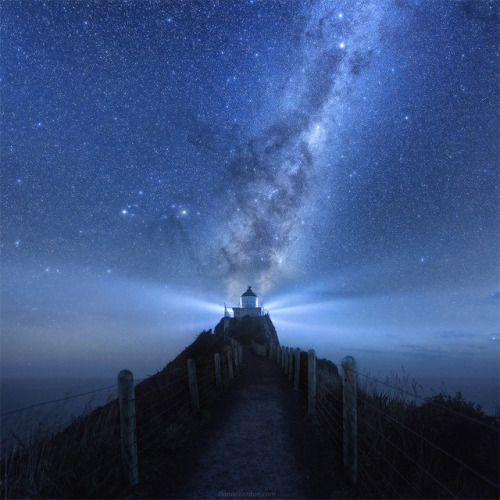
(259, 443)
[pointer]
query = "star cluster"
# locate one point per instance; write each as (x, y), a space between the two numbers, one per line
(206, 145)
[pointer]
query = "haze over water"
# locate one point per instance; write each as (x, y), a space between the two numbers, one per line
(341, 157)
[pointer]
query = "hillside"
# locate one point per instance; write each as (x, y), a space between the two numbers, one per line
(259, 329)
(83, 461)
(409, 446)
(52, 465)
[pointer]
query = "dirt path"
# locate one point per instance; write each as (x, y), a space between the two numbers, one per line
(259, 444)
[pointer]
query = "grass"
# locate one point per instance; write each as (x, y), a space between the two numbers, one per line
(428, 449)
(413, 447)
(408, 446)
(84, 459)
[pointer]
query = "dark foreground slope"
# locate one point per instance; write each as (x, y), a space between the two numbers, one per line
(254, 439)
(84, 460)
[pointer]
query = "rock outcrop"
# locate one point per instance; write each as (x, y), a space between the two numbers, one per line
(259, 329)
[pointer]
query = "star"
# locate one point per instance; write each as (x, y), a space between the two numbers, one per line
(307, 149)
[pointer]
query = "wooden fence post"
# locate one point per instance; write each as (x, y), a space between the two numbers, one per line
(286, 360)
(193, 385)
(350, 419)
(230, 364)
(290, 365)
(240, 353)
(278, 354)
(218, 378)
(126, 400)
(297, 370)
(311, 386)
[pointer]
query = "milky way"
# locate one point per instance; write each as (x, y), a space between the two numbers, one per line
(273, 174)
(158, 157)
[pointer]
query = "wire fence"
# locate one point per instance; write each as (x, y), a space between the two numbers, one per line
(26, 425)
(82, 459)
(54, 401)
(407, 446)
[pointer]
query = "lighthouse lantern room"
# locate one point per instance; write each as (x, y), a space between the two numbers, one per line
(249, 305)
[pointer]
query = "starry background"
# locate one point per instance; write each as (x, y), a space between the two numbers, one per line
(341, 157)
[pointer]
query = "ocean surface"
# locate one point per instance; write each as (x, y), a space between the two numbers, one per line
(30, 406)
(68, 398)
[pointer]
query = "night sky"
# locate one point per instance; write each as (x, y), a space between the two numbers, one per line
(159, 156)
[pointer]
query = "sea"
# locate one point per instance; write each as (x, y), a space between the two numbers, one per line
(47, 405)
(33, 406)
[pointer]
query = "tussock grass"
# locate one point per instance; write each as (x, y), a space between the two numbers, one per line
(409, 446)
(412, 447)
(84, 459)
(80, 460)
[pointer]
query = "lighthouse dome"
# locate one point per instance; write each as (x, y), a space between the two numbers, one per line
(249, 299)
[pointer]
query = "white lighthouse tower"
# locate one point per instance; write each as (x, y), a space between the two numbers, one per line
(249, 305)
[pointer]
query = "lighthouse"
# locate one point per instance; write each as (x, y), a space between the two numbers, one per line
(249, 305)
(250, 324)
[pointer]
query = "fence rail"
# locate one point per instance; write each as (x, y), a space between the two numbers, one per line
(196, 388)
(393, 443)
(54, 401)
(146, 420)
(400, 453)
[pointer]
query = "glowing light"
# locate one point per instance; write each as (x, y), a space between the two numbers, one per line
(342, 45)
(316, 135)
(204, 305)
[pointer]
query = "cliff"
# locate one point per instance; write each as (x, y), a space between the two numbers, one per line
(259, 329)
